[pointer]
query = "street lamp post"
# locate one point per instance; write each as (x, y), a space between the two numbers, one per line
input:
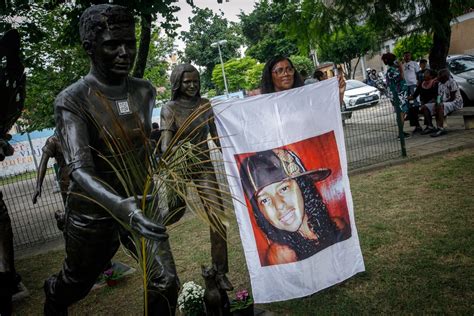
(218, 44)
(314, 56)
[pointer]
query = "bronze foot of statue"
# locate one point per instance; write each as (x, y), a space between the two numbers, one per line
(52, 308)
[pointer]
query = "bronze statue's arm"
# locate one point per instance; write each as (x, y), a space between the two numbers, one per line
(166, 121)
(125, 209)
(213, 131)
(166, 137)
(41, 173)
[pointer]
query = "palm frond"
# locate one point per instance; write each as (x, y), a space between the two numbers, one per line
(169, 180)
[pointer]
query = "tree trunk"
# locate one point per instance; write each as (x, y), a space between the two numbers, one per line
(145, 38)
(348, 70)
(355, 68)
(441, 19)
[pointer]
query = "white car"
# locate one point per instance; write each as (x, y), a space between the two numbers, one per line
(358, 94)
(462, 70)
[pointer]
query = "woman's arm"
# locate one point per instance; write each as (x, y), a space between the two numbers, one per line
(342, 87)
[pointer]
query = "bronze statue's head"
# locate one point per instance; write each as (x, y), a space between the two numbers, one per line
(108, 36)
(190, 88)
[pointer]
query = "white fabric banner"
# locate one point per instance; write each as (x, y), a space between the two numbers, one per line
(286, 162)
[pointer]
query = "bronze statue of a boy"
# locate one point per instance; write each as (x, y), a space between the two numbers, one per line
(185, 99)
(106, 95)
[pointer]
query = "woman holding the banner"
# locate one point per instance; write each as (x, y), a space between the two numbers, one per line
(279, 74)
(288, 207)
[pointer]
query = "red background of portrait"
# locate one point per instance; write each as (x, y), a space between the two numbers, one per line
(315, 152)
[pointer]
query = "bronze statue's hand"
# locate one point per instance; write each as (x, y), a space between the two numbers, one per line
(140, 223)
(36, 195)
(147, 228)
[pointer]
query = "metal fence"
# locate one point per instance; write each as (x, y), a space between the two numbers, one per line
(370, 137)
(32, 224)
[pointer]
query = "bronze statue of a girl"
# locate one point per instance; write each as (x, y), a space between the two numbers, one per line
(186, 99)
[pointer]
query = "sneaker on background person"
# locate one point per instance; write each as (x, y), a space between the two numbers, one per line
(439, 132)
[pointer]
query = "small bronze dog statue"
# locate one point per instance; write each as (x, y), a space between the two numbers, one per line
(215, 299)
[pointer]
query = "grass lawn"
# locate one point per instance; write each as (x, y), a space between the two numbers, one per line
(416, 228)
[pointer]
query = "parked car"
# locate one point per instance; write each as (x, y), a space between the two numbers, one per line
(462, 70)
(358, 94)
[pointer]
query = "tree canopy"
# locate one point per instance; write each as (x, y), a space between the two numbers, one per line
(390, 19)
(241, 73)
(51, 65)
(157, 67)
(146, 10)
(302, 64)
(263, 32)
(343, 46)
(418, 45)
(54, 61)
(207, 27)
(253, 76)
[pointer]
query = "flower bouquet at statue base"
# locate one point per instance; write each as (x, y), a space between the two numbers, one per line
(242, 305)
(111, 277)
(191, 299)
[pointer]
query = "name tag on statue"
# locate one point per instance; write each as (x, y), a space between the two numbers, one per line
(123, 107)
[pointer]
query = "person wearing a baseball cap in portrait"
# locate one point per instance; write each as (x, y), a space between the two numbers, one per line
(288, 207)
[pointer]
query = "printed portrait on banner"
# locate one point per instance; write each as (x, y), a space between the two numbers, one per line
(295, 199)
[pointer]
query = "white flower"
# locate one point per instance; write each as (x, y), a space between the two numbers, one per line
(191, 297)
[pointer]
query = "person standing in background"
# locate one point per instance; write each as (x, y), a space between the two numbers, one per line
(421, 73)
(410, 71)
(397, 87)
(155, 134)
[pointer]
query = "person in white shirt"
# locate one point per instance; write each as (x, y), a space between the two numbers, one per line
(410, 68)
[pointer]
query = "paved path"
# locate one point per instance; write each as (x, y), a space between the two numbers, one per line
(457, 137)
